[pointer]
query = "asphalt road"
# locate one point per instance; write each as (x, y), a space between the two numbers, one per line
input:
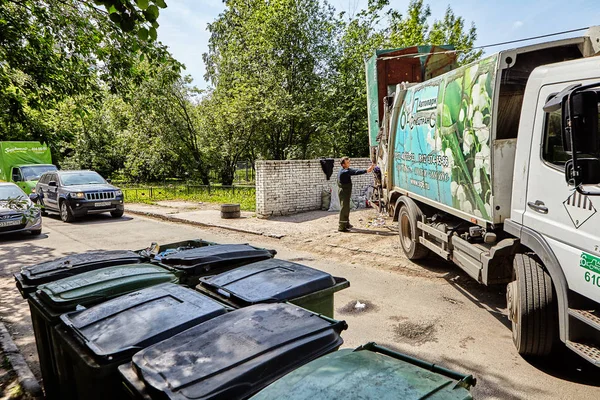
(451, 321)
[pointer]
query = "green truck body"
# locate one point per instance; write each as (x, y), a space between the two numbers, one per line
(23, 163)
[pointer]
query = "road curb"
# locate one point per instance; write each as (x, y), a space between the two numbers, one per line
(24, 375)
(171, 218)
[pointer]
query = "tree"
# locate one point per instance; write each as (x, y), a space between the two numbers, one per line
(51, 50)
(276, 56)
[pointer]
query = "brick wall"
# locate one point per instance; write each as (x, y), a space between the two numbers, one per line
(294, 186)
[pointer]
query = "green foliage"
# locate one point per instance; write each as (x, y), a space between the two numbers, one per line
(286, 77)
(30, 211)
(246, 197)
(57, 50)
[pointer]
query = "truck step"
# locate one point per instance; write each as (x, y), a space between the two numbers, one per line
(590, 352)
(590, 317)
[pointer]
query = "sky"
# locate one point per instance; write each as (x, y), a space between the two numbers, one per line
(183, 24)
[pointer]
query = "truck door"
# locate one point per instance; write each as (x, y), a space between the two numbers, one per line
(567, 220)
(17, 178)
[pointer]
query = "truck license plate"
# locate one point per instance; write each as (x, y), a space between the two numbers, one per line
(10, 223)
(102, 204)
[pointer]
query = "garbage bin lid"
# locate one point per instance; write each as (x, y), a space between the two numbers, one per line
(75, 264)
(269, 280)
(216, 255)
(361, 374)
(236, 354)
(157, 251)
(129, 323)
(94, 286)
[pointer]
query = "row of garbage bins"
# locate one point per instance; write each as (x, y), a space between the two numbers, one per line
(201, 320)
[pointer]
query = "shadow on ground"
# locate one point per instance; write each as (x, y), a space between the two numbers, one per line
(302, 217)
(93, 219)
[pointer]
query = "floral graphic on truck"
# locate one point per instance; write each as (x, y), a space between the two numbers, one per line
(464, 117)
(442, 144)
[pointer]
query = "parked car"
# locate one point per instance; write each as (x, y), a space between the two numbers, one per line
(17, 211)
(77, 193)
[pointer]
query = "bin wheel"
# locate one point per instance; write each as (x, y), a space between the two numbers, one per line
(409, 233)
(532, 307)
(65, 212)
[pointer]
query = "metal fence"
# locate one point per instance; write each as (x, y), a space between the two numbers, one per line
(133, 192)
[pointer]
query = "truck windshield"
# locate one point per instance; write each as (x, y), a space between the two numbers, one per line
(33, 172)
(82, 178)
(10, 192)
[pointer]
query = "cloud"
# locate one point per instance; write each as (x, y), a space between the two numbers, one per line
(517, 24)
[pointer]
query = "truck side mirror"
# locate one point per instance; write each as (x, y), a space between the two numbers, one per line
(580, 123)
(588, 172)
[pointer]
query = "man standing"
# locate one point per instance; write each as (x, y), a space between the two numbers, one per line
(344, 181)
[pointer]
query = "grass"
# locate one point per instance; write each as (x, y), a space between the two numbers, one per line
(245, 196)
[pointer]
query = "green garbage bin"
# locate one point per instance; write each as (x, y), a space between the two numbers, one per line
(369, 372)
(231, 356)
(32, 276)
(55, 298)
(275, 280)
(92, 343)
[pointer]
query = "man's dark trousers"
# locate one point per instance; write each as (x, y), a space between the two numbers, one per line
(345, 191)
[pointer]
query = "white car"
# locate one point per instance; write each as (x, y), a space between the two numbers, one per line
(17, 211)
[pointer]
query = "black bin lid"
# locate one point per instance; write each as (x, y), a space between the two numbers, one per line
(269, 280)
(124, 325)
(236, 354)
(75, 264)
(217, 255)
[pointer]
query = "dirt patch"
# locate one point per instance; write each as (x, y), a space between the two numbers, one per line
(9, 387)
(358, 307)
(465, 341)
(398, 318)
(452, 301)
(416, 333)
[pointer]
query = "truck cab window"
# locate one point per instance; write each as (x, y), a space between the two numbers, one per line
(553, 152)
(16, 175)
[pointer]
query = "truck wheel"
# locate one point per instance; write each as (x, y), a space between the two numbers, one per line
(65, 212)
(409, 233)
(532, 307)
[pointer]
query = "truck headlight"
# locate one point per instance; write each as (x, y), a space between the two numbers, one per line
(118, 193)
(78, 195)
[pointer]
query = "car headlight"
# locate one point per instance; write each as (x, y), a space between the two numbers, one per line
(118, 193)
(78, 195)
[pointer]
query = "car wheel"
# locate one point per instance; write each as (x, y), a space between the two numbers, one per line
(65, 212)
(117, 213)
(36, 232)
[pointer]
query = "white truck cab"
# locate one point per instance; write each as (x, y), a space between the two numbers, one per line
(548, 215)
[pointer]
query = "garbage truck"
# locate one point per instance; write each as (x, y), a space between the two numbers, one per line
(495, 166)
(24, 162)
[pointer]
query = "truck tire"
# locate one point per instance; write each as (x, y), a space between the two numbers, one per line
(532, 307)
(409, 234)
(66, 215)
